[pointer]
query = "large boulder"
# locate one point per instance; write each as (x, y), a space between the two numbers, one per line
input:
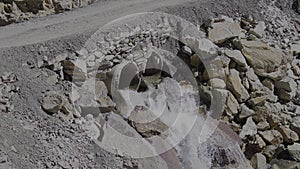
(261, 57)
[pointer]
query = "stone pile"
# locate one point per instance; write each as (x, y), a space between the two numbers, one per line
(7, 89)
(252, 85)
(265, 83)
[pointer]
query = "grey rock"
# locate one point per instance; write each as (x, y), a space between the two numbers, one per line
(289, 136)
(249, 129)
(271, 136)
(53, 102)
(236, 87)
(237, 57)
(294, 152)
(223, 31)
(258, 161)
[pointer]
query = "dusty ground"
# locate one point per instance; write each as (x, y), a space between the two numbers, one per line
(29, 138)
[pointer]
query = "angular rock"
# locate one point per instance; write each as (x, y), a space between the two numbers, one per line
(272, 136)
(217, 83)
(76, 70)
(285, 164)
(271, 151)
(257, 101)
(289, 136)
(223, 31)
(287, 84)
(249, 129)
(263, 125)
(262, 58)
(53, 102)
(259, 30)
(274, 120)
(295, 125)
(245, 112)
(258, 161)
(236, 87)
(294, 152)
(237, 57)
(295, 48)
(146, 123)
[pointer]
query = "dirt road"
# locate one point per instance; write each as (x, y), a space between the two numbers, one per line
(77, 21)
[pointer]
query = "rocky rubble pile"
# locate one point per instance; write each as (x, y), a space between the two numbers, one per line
(261, 101)
(253, 84)
(7, 89)
(19, 10)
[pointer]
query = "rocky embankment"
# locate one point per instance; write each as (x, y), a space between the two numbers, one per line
(247, 77)
(254, 76)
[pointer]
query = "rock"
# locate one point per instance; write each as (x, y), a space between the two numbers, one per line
(232, 105)
(53, 102)
(217, 83)
(285, 164)
(216, 68)
(259, 29)
(187, 50)
(52, 80)
(257, 101)
(262, 58)
(146, 123)
(271, 136)
(258, 161)
(295, 125)
(294, 152)
(271, 151)
(287, 84)
(245, 112)
(223, 31)
(236, 87)
(75, 70)
(269, 84)
(289, 136)
(69, 108)
(295, 49)
(237, 57)
(284, 95)
(249, 129)
(274, 120)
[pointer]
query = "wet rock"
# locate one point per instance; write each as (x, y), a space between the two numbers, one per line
(53, 102)
(258, 161)
(289, 136)
(271, 136)
(223, 31)
(236, 87)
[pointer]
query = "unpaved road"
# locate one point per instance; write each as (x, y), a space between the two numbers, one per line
(77, 21)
